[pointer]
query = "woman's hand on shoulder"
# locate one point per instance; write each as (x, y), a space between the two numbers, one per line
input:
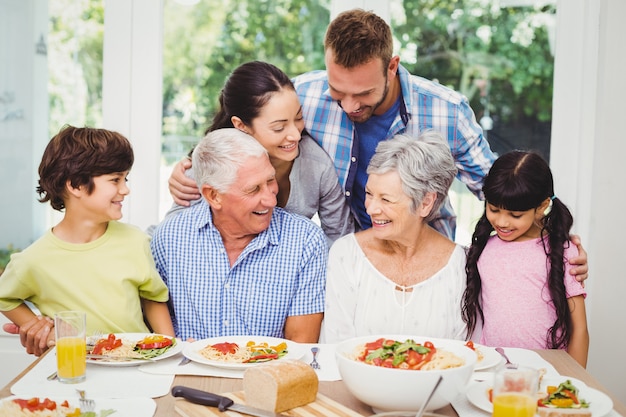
(182, 188)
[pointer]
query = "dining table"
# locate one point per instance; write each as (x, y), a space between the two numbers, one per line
(331, 388)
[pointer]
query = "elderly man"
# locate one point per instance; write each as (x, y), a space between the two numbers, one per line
(236, 264)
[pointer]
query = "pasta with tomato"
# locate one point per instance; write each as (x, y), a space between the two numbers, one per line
(409, 354)
(251, 353)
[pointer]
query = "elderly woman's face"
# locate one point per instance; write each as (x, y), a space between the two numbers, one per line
(387, 204)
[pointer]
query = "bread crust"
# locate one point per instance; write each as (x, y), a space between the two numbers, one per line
(280, 386)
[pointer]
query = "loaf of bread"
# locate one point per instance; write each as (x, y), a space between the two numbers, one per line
(563, 412)
(280, 386)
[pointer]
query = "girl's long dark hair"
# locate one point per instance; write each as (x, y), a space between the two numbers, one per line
(520, 181)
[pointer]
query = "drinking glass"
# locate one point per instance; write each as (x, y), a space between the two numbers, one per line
(515, 392)
(69, 328)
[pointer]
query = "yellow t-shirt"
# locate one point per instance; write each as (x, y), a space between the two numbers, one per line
(105, 278)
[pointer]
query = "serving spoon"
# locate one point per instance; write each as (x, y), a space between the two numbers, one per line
(430, 396)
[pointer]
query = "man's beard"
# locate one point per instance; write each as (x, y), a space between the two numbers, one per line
(368, 111)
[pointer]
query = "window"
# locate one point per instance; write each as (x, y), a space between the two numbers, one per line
(500, 56)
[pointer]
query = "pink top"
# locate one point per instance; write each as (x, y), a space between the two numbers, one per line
(516, 301)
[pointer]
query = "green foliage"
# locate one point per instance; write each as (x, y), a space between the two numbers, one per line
(75, 63)
(461, 42)
(498, 57)
(287, 33)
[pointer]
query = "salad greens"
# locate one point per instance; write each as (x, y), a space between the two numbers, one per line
(390, 353)
(153, 353)
(563, 396)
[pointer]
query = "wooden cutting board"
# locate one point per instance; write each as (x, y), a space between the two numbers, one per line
(322, 407)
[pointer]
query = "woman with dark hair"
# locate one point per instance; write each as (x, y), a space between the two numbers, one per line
(518, 286)
(259, 99)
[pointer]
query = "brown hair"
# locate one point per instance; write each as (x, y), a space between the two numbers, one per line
(77, 155)
(358, 36)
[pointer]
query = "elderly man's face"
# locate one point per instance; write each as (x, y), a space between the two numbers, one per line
(247, 206)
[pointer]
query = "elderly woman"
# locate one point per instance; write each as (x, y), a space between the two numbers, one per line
(401, 276)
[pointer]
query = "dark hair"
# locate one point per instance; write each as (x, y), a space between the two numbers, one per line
(357, 36)
(520, 181)
(248, 88)
(77, 155)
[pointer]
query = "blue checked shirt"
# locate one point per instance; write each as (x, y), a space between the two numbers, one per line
(424, 105)
(281, 273)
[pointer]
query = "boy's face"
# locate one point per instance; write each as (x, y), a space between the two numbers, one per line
(105, 202)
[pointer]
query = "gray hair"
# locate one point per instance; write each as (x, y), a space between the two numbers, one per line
(424, 165)
(220, 154)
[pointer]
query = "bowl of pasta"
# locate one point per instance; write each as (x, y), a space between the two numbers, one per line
(397, 372)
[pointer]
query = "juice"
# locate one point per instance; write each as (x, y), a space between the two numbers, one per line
(514, 405)
(71, 359)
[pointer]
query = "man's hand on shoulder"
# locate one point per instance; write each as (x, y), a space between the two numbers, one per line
(580, 265)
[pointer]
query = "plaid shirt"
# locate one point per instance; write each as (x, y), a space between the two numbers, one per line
(424, 105)
(281, 273)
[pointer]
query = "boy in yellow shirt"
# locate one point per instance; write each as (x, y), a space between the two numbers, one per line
(89, 261)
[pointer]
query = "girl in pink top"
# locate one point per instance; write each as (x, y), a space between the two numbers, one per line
(519, 292)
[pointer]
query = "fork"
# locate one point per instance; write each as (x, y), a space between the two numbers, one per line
(86, 404)
(93, 339)
(314, 364)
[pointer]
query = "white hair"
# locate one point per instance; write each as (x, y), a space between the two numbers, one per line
(220, 154)
(424, 165)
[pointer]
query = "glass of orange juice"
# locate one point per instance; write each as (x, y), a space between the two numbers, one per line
(69, 328)
(515, 392)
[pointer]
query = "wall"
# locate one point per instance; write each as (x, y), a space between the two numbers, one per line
(605, 203)
(587, 156)
(23, 117)
(23, 135)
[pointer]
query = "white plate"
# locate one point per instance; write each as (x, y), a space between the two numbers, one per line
(192, 350)
(600, 404)
(135, 337)
(490, 357)
(136, 407)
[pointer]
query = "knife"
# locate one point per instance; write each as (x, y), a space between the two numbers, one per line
(222, 403)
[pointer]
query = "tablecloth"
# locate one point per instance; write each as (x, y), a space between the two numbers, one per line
(102, 381)
(326, 358)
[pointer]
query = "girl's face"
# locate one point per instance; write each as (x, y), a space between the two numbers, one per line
(105, 202)
(279, 125)
(512, 226)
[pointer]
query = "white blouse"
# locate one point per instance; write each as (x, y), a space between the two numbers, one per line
(361, 301)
